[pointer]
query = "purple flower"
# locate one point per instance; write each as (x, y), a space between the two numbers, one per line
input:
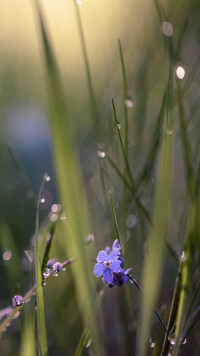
(120, 278)
(115, 245)
(110, 264)
(107, 265)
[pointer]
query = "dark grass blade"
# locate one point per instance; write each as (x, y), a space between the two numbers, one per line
(41, 322)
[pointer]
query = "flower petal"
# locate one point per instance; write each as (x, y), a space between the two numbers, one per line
(98, 269)
(102, 256)
(114, 255)
(116, 244)
(107, 275)
(115, 266)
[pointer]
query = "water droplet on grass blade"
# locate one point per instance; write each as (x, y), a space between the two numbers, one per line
(7, 255)
(172, 340)
(119, 126)
(17, 301)
(169, 132)
(88, 343)
(167, 29)
(47, 178)
(180, 72)
(42, 200)
(128, 101)
(47, 272)
(101, 153)
(152, 343)
(184, 341)
(78, 2)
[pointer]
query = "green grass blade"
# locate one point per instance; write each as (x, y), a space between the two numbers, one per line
(70, 186)
(125, 93)
(115, 220)
(28, 345)
(120, 174)
(125, 158)
(153, 262)
(41, 322)
(95, 115)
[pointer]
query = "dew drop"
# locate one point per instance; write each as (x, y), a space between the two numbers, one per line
(131, 221)
(47, 272)
(47, 178)
(172, 340)
(131, 281)
(101, 153)
(128, 101)
(152, 343)
(63, 216)
(182, 256)
(169, 132)
(78, 2)
(180, 72)
(89, 238)
(119, 126)
(63, 269)
(184, 341)
(44, 283)
(55, 208)
(53, 217)
(167, 29)
(88, 343)
(42, 200)
(7, 255)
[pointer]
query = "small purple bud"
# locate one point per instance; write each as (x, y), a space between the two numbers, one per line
(17, 301)
(57, 267)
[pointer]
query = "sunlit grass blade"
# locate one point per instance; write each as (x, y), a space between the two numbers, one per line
(153, 261)
(119, 173)
(41, 321)
(70, 185)
(28, 345)
(125, 93)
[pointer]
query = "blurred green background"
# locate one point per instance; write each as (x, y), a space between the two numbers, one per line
(24, 126)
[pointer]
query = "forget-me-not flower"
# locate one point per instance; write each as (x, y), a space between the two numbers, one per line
(110, 264)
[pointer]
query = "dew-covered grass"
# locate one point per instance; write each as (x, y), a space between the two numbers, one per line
(99, 256)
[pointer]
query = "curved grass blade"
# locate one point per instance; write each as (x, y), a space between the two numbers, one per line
(115, 220)
(41, 322)
(70, 185)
